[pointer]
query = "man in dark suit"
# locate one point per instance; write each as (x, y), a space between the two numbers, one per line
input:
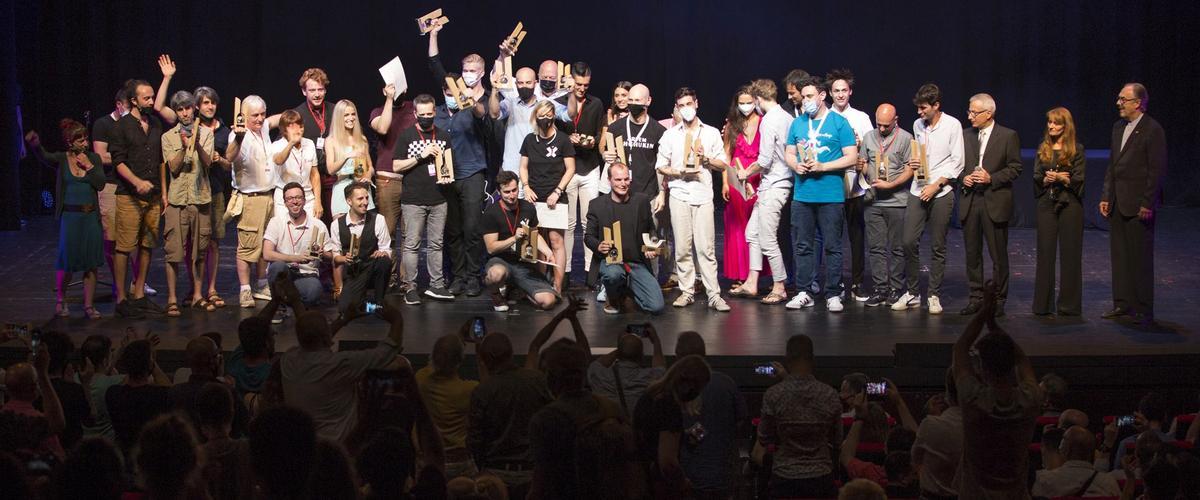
(1132, 190)
(992, 161)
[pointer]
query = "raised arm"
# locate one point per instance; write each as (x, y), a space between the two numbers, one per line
(380, 124)
(657, 359)
(160, 99)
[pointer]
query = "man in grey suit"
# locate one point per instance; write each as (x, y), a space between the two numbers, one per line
(1132, 192)
(992, 161)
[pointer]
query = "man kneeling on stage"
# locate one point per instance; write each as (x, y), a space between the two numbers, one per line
(294, 243)
(506, 226)
(361, 242)
(632, 210)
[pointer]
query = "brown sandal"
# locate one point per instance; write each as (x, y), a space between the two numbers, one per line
(205, 305)
(173, 310)
(773, 298)
(215, 300)
(741, 294)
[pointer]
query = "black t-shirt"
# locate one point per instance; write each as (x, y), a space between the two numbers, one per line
(101, 130)
(420, 181)
(641, 152)
(140, 151)
(588, 122)
(503, 223)
(76, 410)
(219, 179)
(651, 416)
(312, 131)
(546, 165)
(130, 408)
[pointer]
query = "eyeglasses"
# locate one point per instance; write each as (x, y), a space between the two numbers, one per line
(977, 113)
(293, 198)
(1123, 100)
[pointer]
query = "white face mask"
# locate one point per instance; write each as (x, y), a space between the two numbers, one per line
(745, 108)
(688, 113)
(470, 78)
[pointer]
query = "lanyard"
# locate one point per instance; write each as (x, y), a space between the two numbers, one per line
(579, 113)
(820, 124)
(295, 241)
(512, 229)
(320, 119)
(433, 134)
(630, 138)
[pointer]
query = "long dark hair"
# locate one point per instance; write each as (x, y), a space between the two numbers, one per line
(623, 84)
(735, 120)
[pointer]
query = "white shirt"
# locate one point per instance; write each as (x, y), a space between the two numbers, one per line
(773, 133)
(1068, 479)
(943, 149)
(1129, 130)
(291, 239)
(672, 155)
(296, 168)
(940, 438)
(253, 171)
(861, 123)
(334, 243)
(985, 135)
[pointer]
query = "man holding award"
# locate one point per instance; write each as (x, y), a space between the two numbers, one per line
(510, 235)
(361, 241)
(883, 158)
(617, 225)
(294, 242)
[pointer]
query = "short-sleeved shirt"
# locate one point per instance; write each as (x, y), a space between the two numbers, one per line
(314, 131)
(709, 464)
(996, 438)
(554, 432)
(218, 177)
(861, 123)
(940, 439)
(246, 378)
(324, 384)
(501, 409)
(589, 121)
(403, 116)
(547, 161)
(297, 167)
(140, 151)
(191, 185)
(634, 380)
(101, 424)
(671, 154)
(449, 401)
(131, 407)
(504, 223)
(253, 170)
(292, 239)
(895, 149)
(641, 152)
(652, 415)
(803, 417)
(825, 137)
(101, 130)
(420, 181)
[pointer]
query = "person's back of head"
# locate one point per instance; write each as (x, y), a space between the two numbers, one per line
(875, 423)
(799, 351)
(283, 447)
(566, 368)
(97, 349)
(604, 452)
(386, 462)
(214, 407)
(997, 355)
(135, 360)
(900, 439)
(256, 337)
(167, 456)
(485, 486)
(495, 350)
(1054, 391)
(855, 383)
(1153, 408)
(332, 476)
(312, 331)
(201, 356)
(93, 470)
(629, 348)
(20, 382)
(59, 347)
(690, 343)
(447, 355)
(1071, 417)
(1147, 446)
(684, 380)
(1161, 480)
(1078, 444)
(861, 489)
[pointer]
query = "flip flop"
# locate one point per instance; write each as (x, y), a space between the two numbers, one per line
(173, 310)
(91, 313)
(773, 298)
(215, 300)
(739, 293)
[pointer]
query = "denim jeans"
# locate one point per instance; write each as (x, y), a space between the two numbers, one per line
(806, 218)
(308, 285)
(638, 280)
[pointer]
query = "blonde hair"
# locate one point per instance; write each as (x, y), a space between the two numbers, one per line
(537, 110)
(339, 138)
(1045, 151)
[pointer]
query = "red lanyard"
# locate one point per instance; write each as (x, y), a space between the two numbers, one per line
(433, 134)
(320, 119)
(297, 239)
(579, 113)
(887, 145)
(516, 213)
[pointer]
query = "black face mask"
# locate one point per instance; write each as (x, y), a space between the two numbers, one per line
(425, 122)
(637, 109)
(524, 93)
(548, 86)
(544, 123)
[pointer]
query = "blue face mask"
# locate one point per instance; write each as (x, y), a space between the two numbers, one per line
(451, 102)
(810, 107)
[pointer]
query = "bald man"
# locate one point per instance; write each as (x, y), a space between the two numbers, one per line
(1076, 477)
(885, 202)
(516, 106)
(23, 383)
(203, 357)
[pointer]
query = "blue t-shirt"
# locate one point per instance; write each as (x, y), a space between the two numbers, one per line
(828, 136)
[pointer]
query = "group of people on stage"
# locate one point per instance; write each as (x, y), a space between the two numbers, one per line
(316, 199)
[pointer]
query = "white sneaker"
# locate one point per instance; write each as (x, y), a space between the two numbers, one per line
(906, 301)
(149, 291)
(834, 304)
(935, 305)
(246, 299)
(263, 293)
(718, 304)
(602, 296)
(800, 301)
(683, 301)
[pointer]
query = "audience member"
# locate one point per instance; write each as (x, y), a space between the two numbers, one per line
(283, 450)
(801, 422)
(709, 458)
(333, 477)
(226, 460)
(97, 350)
(168, 458)
(448, 397)
(1054, 390)
(94, 471)
(658, 423)
(250, 362)
(142, 396)
(897, 474)
(620, 375)
(861, 489)
(1150, 416)
(203, 357)
(23, 382)
(71, 394)
(1076, 476)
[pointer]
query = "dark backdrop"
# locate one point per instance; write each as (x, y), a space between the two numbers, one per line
(1031, 55)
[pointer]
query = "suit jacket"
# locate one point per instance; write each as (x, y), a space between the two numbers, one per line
(1134, 175)
(1002, 160)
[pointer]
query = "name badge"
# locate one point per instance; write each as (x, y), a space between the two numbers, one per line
(320, 143)
(432, 170)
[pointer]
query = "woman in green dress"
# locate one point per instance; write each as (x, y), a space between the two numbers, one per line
(80, 244)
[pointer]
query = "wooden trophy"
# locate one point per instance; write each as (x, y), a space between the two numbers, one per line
(427, 22)
(505, 79)
(514, 40)
(615, 146)
(747, 189)
(613, 235)
(239, 120)
(444, 164)
(318, 245)
(352, 253)
(881, 165)
(652, 244)
(360, 167)
(919, 155)
(459, 90)
(527, 249)
(689, 154)
(564, 72)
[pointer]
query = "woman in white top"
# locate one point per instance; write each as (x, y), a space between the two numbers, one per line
(347, 155)
(295, 159)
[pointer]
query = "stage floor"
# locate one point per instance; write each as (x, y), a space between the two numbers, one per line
(751, 330)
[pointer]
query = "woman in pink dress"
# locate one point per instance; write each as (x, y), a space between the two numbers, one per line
(741, 146)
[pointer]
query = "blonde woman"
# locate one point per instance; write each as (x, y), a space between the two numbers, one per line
(547, 164)
(346, 155)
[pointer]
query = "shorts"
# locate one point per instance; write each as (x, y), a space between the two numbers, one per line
(136, 223)
(256, 212)
(524, 276)
(216, 212)
(186, 227)
(108, 212)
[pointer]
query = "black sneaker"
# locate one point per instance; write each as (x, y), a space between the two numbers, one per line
(412, 297)
(126, 309)
(439, 293)
(860, 294)
(147, 305)
(457, 287)
(878, 299)
(499, 303)
(473, 288)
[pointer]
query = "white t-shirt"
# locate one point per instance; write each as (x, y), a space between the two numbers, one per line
(671, 154)
(291, 239)
(253, 171)
(861, 123)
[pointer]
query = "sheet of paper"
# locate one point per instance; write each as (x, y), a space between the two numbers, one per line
(393, 73)
(552, 218)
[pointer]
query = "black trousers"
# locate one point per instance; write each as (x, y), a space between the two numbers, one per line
(463, 210)
(371, 274)
(978, 228)
(855, 229)
(1059, 233)
(1132, 248)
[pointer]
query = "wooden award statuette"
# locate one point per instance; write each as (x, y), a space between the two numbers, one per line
(652, 244)
(690, 145)
(459, 90)
(427, 22)
(881, 164)
(352, 253)
(613, 235)
(505, 79)
(239, 120)
(518, 34)
(564, 72)
(444, 164)
(360, 167)
(919, 155)
(527, 247)
(615, 146)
